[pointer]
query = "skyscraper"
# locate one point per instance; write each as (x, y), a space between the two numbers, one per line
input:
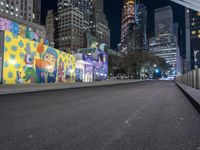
(50, 27)
(29, 10)
(71, 22)
(99, 5)
(76, 18)
(141, 21)
(163, 20)
(134, 26)
(70, 29)
(37, 11)
(193, 37)
(99, 23)
(85, 6)
(165, 44)
(128, 20)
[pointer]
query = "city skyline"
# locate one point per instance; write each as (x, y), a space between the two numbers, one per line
(116, 10)
(99, 74)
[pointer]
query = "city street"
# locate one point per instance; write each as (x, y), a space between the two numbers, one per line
(152, 115)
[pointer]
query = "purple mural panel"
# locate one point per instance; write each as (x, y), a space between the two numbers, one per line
(2, 24)
(7, 25)
(100, 64)
(89, 69)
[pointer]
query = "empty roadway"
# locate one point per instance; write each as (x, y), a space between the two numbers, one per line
(152, 115)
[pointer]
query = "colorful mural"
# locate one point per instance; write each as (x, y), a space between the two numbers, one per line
(100, 63)
(18, 29)
(27, 61)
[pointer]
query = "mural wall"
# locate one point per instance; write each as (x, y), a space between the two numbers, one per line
(19, 29)
(27, 61)
(100, 63)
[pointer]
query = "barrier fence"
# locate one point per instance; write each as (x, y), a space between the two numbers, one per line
(191, 79)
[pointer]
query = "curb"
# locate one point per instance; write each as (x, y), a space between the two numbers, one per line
(40, 89)
(191, 99)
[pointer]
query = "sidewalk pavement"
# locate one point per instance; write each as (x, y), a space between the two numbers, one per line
(27, 88)
(192, 94)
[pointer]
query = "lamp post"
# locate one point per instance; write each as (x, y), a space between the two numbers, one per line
(195, 59)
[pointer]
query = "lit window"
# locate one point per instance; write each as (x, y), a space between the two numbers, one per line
(193, 32)
(193, 23)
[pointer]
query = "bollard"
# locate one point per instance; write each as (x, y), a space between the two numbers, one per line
(190, 76)
(185, 79)
(194, 79)
(198, 79)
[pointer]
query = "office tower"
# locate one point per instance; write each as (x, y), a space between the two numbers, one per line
(165, 44)
(74, 20)
(99, 23)
(193, 43)
(50, 27)
(37, 11)
(192, 26)
(85, 6)
(141, 21)
(69, 28)
(99, 5)
(163, 20)
(29, 10)
(128, 20)
(164, 47)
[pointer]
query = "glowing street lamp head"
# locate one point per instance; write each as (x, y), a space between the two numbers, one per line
(157, 70)
(129, 1)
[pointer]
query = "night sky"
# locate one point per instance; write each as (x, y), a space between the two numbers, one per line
(113, 10)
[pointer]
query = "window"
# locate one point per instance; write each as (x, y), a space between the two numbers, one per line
(193, 32)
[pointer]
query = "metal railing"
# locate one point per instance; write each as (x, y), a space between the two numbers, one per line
(191, 79)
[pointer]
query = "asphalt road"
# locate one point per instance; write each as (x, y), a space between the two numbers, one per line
(138, 116)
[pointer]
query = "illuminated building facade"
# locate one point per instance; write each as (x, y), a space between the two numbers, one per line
(192, 30)
(70, 31)
(141, 21)
(194, 37)
(165, 44)
(84, 6)
(99, 23)
(74, 20)
(29, 10)
(128, 20)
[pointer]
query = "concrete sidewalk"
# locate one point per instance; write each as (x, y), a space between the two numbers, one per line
(27, 88)
(192, 94)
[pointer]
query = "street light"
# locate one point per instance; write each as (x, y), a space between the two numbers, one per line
(157, 70)
(196, 59)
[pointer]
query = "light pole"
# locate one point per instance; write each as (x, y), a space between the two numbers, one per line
(196, 59)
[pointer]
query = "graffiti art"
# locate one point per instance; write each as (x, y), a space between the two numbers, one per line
(27, 61)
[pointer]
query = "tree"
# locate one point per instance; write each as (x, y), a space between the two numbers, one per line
(135, 60)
